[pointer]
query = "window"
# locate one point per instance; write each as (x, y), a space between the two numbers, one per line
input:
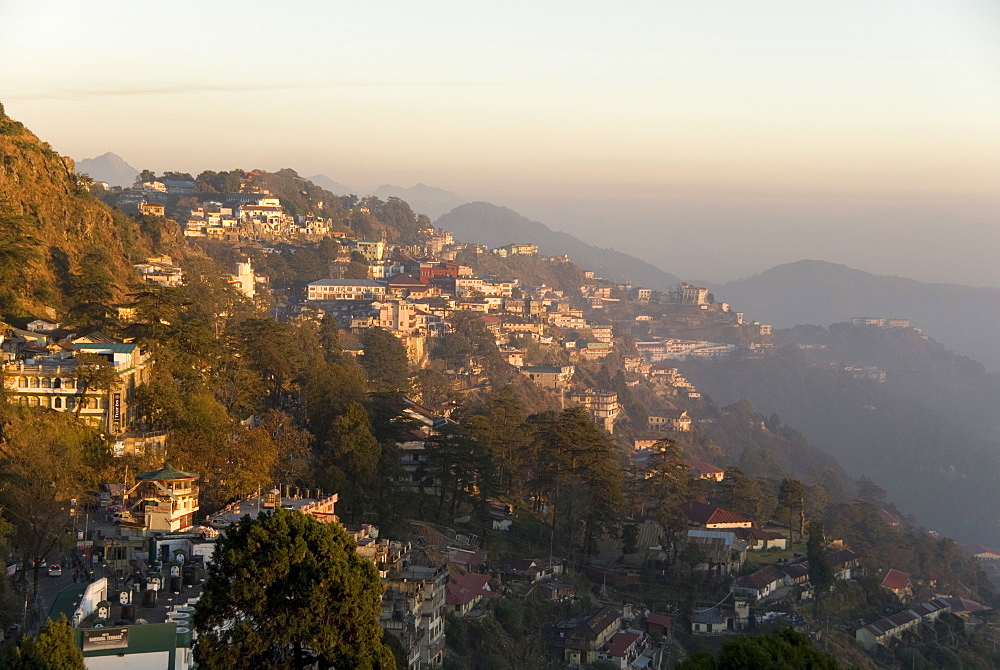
(33, 382)
(22, 382)
(57, 403)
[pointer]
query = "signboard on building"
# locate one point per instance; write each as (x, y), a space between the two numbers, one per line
(97, 639)
(116, 408)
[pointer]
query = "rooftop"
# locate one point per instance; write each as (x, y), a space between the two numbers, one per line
(348, 282)
(165, 473)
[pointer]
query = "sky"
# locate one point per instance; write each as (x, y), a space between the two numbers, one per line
(713, 139)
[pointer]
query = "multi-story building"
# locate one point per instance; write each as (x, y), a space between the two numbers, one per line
(346, 289)
(602, 405)
(431, 270)
(693, 295)
(163, 500)
(550, 376)
(413, 609)
(160, 270)
(57, 383)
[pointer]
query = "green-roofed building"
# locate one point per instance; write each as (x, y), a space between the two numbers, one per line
(164, 500)
(150, 646)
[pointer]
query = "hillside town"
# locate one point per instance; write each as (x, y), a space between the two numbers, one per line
(670, 569)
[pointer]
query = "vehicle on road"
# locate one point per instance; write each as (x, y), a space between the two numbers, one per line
(55, 571)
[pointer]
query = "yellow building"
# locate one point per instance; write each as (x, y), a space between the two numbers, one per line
(53, 383)
(164, 500)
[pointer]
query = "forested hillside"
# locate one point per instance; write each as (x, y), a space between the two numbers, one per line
(916, 433)
(62, 248)
(814, 292)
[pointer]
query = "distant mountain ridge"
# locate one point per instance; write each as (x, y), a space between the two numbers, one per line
(963, 318)
(423, 199)
(110, 168)
(494, 226)
(329, 184)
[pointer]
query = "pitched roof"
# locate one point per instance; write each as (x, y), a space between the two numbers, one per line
(712, 615)
(600, 621)
(705, 514)
(659, 620)
(889, 517)
(895, 579)
(404, 280)
(699, 467)
(762, 578)
(840, 557)
(796, 570)
(621, 643)
(964, 605)
(166, 472)
(465, 557)
(465, 587)
(977, 549)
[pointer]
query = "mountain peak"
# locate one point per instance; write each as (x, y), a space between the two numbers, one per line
(108, 167)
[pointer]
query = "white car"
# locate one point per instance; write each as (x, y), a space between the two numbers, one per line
(55, 571)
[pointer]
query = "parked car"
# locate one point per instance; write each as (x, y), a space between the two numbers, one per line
(55, 571)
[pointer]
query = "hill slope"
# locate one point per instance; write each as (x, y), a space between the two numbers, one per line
(963, 318)
(110, 168)
(494, 226)
(61, 247)
(422, 198)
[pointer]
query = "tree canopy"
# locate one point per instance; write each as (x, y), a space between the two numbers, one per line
(286, 590)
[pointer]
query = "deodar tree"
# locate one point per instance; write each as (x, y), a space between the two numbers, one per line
(575, 471)
(287, 591)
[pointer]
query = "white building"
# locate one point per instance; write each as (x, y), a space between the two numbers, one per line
(346, 289)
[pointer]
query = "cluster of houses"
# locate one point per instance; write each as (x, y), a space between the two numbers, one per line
(883, 631)
(161, 271)
(252, 214)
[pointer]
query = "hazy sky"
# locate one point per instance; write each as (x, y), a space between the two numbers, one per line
(730, 135)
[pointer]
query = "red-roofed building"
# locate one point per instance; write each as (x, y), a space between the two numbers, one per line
(703, 515)
(659, 623)
(466, 590)
(981, 553)
(622, 649)
(762, 583)
(704, 470)
(583, 642)
(964, 607)
(471, 560)
(898, 582)
(890, 518)
(432, 270)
